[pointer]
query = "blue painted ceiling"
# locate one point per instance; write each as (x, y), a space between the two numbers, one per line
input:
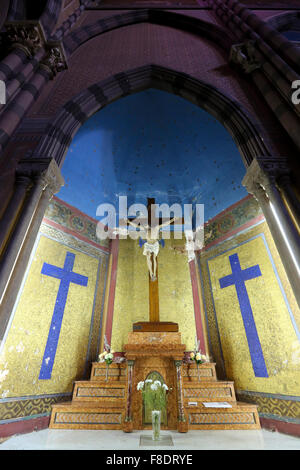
(152, 144)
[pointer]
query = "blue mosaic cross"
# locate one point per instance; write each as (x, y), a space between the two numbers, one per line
(237, 279)
(66, 276)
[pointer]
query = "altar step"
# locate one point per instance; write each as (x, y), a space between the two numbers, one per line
(85, 415)
(200, 385)
(208, 392)
(192, 373)
(239, 416)
(99, 392)
(116, 371)
(96, 403)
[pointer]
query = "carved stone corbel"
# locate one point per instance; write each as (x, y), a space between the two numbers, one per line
(244, 56)
(55, 60)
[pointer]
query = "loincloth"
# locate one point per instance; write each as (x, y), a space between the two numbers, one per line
(151, 248)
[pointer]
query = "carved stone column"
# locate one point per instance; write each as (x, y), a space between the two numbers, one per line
(128, 423)
(182, 423)
(22, 40)
(285, 186)
(14, 85)
(22, 185)
(29, 37)
(46, 181)
(261, 181)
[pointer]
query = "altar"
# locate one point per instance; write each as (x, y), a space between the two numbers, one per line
(162, 353)
(196, 399)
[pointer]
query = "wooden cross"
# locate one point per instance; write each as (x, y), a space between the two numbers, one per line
(154, 323)
(153, 285)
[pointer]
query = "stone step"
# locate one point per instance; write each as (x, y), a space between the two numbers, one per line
(206, 371)
(84, 415)
(208, 391)
(112, 392)
(116, 371)
(239, 416)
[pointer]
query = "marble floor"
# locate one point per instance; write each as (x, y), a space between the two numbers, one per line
(55, 439)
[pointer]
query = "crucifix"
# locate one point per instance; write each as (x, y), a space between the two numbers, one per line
(150, 232)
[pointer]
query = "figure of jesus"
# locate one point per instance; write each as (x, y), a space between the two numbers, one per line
(151, 246)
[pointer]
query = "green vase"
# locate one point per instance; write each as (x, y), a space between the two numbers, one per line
(156, 416)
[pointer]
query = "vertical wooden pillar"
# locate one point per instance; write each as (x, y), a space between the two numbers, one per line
(153, 285)
(128, 423)
(182, 423)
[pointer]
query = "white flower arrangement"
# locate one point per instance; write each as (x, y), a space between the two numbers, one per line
(106, 357)
(198, 357)
(154, 393)
(141, 384)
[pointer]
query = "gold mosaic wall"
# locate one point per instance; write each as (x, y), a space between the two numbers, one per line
(132, 291)
(24, 391)
(276, 317)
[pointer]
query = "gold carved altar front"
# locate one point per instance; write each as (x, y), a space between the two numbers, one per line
(154, 352)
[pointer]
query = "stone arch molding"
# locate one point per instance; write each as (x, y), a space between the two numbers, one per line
(282, 21)
(197, 26)
(243, 128)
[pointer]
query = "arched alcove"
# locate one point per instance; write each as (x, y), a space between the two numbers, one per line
(152, 144)
(243, 128)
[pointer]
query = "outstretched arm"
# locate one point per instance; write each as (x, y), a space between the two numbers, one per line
(143, 229)
(169, 222)
(135, 225)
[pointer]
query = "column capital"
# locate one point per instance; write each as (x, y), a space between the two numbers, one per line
(42, 171)
(275, 167)
(26, 35)
(22, 180)
(30, 37)
(178, 363)
(256, 181)
(264, 173)
(244, 56)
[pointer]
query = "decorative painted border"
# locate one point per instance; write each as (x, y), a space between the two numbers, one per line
(236, 218)
(72, 221)
(197, 306)
(27, 408)
(112, 289)
(273, 406)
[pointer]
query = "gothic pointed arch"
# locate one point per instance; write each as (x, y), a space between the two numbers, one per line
(244, 130)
